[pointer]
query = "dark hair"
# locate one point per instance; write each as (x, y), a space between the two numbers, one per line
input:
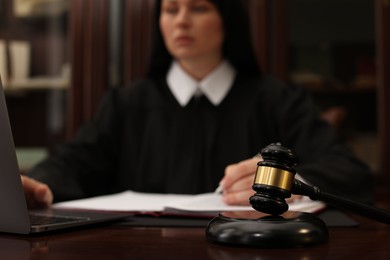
(238, 48)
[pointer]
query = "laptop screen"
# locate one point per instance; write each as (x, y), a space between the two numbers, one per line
(14, 213)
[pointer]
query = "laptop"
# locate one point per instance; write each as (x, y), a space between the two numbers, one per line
(14, 214)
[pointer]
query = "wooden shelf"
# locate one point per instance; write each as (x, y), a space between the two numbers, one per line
(40, 8)
(38, 83)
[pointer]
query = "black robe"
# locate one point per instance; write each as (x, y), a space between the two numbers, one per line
(142, 139)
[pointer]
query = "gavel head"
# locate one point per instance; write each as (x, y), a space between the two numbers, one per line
(274, 180)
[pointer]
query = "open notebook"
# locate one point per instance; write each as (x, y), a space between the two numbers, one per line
(206, 204)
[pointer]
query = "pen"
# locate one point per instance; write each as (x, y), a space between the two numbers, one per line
(219, 189)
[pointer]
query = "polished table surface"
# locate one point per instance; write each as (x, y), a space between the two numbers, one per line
(369, 240)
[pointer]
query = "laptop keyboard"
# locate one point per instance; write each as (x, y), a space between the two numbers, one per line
(39, 220)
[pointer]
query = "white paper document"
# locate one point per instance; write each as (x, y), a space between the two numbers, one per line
(202, 204)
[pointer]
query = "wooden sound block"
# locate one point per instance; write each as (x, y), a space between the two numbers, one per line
(255, 229)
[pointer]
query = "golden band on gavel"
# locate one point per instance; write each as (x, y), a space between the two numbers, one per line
(275, 177)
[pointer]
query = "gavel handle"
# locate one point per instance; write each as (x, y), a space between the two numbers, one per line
(365, 210)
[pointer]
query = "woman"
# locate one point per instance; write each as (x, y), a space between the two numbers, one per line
(196, 121)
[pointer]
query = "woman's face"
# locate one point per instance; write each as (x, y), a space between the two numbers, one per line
(192, 29)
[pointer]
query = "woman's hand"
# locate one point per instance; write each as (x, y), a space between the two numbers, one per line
(38, 194)
(238, 180)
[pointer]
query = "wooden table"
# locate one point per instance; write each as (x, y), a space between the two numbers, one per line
(370, 240)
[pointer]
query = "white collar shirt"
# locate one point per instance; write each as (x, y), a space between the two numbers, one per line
(214, 86)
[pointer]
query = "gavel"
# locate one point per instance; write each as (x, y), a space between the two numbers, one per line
(275, 181)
